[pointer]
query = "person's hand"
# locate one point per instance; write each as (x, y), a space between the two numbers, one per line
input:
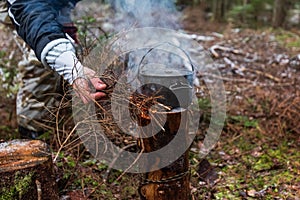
(82, 86)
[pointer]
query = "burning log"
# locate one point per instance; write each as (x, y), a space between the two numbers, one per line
(171, 182)
(26, 171)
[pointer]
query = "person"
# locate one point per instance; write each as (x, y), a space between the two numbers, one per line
(48, 31)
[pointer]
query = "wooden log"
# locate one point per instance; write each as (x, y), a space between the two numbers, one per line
(26, 171)
(173, 181)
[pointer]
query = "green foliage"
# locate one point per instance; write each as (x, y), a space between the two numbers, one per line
(204, 104)
(105, 191)
(287, 39)
(21, 186)
(255, 13)
(241, 11)
(244, 120)
(259, 169)
(8, 75)
(252, 13)
(205, 108)
(90, 34)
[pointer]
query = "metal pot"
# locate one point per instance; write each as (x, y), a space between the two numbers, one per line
(173, 84)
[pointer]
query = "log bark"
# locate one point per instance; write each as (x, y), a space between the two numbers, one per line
(173, 181)
(26, 171)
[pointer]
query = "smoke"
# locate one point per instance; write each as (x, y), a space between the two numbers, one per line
(144, 13)
(150, 14)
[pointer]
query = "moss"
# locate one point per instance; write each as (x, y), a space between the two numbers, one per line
(8, 194)
(265, 162)
(21, 186)
(288, 39)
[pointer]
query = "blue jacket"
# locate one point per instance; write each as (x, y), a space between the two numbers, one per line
(39, 22)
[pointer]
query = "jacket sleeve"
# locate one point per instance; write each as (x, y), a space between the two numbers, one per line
(36, 22)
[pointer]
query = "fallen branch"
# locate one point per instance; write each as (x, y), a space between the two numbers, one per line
(213, 49)
(199, 38)
(240, 70)
(243, 80)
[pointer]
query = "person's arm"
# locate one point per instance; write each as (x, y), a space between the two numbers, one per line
(36, 23)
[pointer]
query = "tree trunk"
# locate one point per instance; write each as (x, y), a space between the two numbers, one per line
(216, 8)
(26, 171)
(219, 9)
(279, 13)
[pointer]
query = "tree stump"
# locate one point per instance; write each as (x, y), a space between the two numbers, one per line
(26, 171)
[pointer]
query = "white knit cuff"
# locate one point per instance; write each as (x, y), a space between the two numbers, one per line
(69, 66)
(60, 56)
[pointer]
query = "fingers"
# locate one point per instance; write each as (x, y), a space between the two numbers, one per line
(98, 84)
(83, 90)
(97, 95)
(86, 98)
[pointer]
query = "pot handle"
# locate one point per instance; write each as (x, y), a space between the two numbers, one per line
(180, 85)
(168, 43)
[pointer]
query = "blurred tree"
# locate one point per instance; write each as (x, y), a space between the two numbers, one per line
(254, 13)
(280, 10)
(220, 8)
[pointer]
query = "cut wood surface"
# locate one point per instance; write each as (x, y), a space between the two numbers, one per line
(26, 171)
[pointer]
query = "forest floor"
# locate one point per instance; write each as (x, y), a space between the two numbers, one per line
(258, 153)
